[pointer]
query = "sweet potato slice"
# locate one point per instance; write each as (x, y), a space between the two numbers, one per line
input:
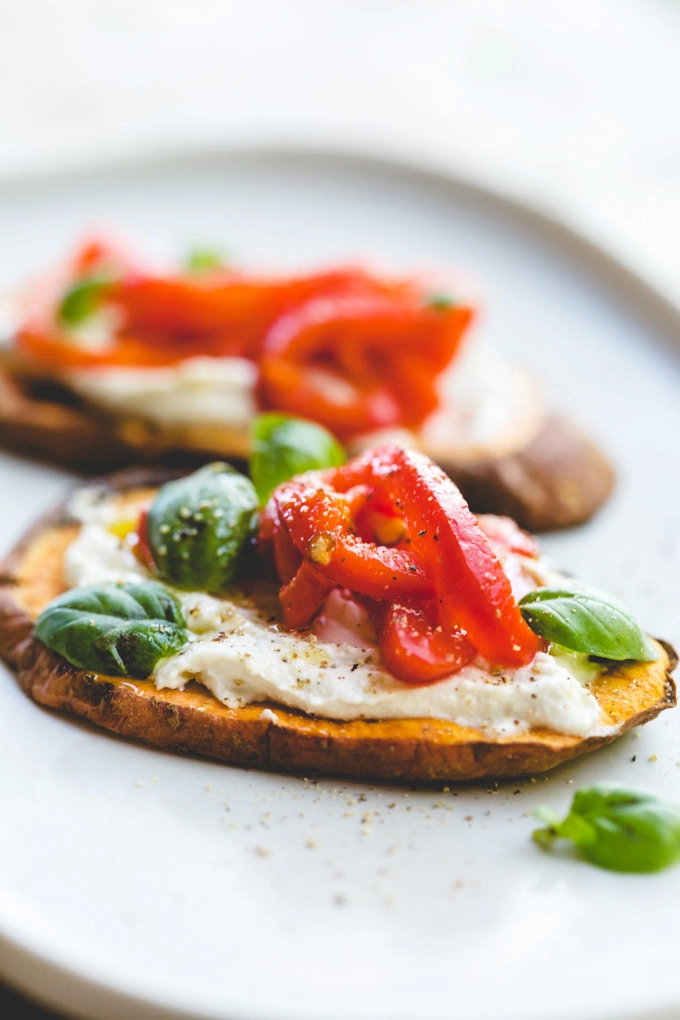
(558, 478)
(269, 736)
(46, 420)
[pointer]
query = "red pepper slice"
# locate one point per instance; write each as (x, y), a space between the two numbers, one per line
(142, 550)
(474, 591)
(319, 523)
(358, 363)
(228, 303)
(417, 649)
(437, 591)
(353, 351)
(272, 535)
(304, 595)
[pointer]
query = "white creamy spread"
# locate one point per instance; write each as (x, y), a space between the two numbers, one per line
(242, 654)
(486, 403)
(198, 391)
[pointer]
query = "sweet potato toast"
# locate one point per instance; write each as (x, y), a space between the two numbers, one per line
(547, 476)
(110, 363)
(269, 736)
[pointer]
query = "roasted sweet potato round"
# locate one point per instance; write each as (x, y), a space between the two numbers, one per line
(269, 736)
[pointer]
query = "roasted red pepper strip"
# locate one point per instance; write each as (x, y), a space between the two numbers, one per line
(273, 535)
(474, 591)
(359, 362)
(440, 594)
(230, 303)
(142, 550)
(319, 524)
(304, 595)
(350, 350)
(414, 647)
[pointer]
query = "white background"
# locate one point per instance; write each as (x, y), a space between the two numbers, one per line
(572, 104)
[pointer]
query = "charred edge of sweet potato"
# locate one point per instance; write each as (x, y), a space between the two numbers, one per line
(557, 480)
(194, 722)
(42, 420)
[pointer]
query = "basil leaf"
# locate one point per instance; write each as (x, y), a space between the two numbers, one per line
(617, 829)
(120, 630)
(440, 302)
(199, 526)
(204, 260)
(586, 620)
(283, 446)
(83, 299)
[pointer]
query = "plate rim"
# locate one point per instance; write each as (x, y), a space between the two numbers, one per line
(641, 291)
(26, 962)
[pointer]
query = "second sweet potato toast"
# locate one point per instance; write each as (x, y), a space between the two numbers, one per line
(112, 363)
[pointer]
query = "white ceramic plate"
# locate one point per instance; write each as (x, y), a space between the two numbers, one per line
(143, 884)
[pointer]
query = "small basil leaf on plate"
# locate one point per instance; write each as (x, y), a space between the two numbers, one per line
(204, 260)
(116, 629)
(586, 620)
(617, 829)
(83, 299)
(198, 527)
(284, 446)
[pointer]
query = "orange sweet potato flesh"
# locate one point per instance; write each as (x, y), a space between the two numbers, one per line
(193, 722)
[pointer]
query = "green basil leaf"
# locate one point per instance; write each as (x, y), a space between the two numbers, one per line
(585, 620)
(440, 302)
(83, 299)
(204, 260)
(116, 629)
(283, 446)
(617, 829)
(200, 526)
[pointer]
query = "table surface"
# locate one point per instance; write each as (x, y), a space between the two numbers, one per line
(572, 113)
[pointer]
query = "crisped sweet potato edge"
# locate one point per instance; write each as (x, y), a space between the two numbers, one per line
(555, 479)
(269, 736)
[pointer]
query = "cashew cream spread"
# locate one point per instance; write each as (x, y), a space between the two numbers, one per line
(197, 391)
(240, 651)
(486, 403)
